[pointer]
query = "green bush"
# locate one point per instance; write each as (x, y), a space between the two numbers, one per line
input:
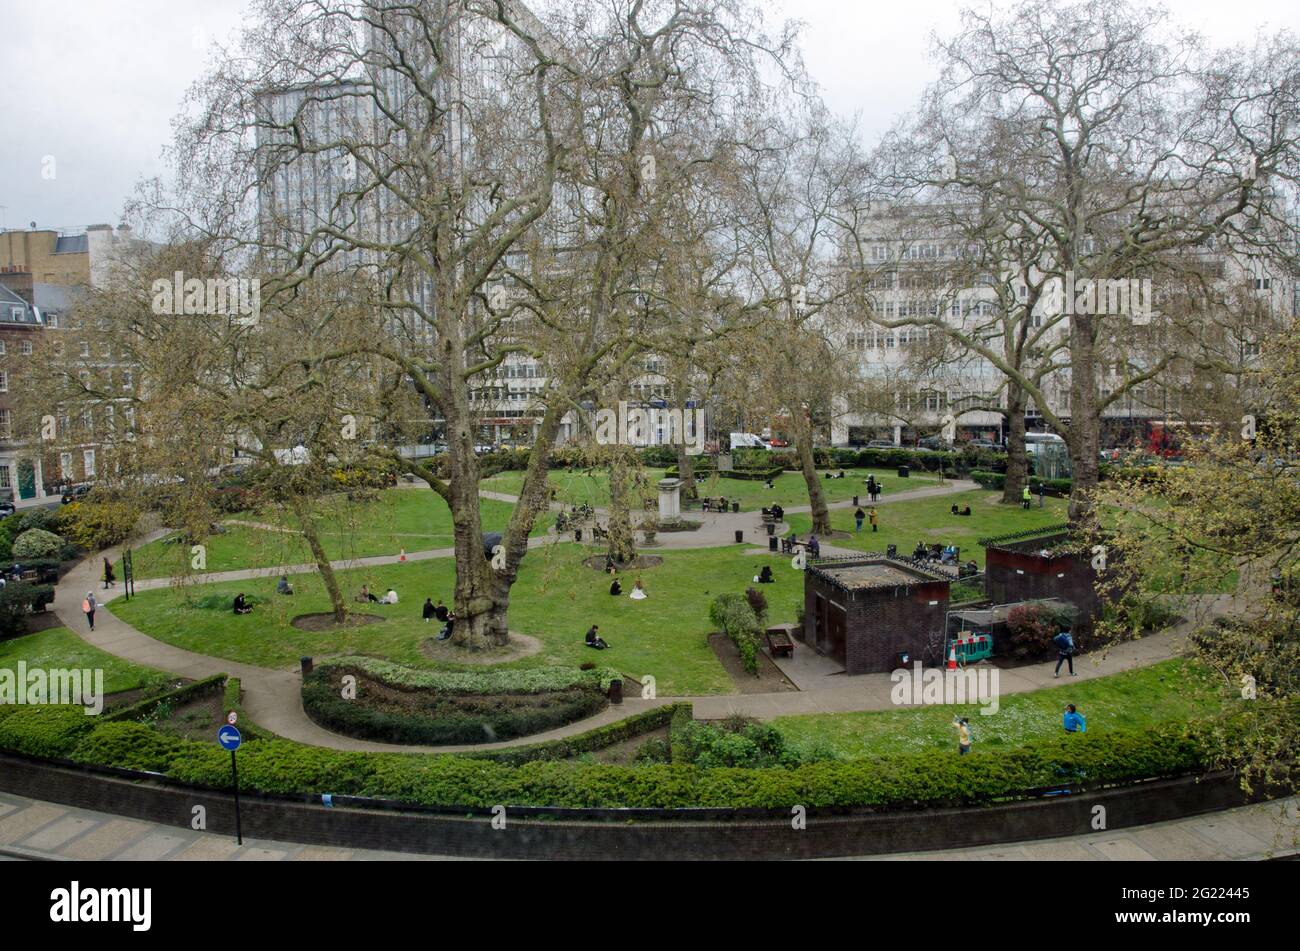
(98, 524)
(47, 730)
(37, 543)
(734, 616)
(127, 745)
(17, 600)
(39, 518)
(224, 602)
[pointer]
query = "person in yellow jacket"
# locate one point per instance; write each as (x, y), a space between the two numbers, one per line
(963, 735)
(1025, 498)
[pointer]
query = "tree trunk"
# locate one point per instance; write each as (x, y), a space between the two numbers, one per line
(309, 532)
(1085, 419)
(620, 543)
(685, 468)
(821, 515)
(1017, 458)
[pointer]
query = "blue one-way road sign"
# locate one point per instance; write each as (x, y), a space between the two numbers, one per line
(229, 738)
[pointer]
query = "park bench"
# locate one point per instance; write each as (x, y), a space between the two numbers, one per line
(779, 642)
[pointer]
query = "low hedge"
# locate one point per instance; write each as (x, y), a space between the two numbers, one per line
(17, 600)
(479, 683)
(1059, 488)
(597, 739)
(734, 616)
(494, 721)
(143, 708)
(891, 781)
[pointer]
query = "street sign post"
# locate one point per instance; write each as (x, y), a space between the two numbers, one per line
(229, 738)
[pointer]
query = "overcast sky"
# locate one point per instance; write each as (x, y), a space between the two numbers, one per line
(91, 86)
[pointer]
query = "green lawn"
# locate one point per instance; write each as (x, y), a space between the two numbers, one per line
(414, 519)
(555, 600)
(930, 520)
(788, 489)
(60, 648)
(1171, 690)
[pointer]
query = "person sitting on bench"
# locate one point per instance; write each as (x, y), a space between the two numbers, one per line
(765, 576)
(242, 606)
(949, 556)
(814, 547)
(919, 552)
(778, 512)
(616, 587)
(594, 639)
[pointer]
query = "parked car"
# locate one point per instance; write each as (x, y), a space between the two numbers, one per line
(934, 443)
(76, 493)
(881, 444)
(983, 444)
(6, 509)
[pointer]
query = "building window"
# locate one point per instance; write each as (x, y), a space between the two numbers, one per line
(88, 457)
(65, 465)
(4, 478)
(4, 424)
(2, 348)
(25, 348)
(4, 382)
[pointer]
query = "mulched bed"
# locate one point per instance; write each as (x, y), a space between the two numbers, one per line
(198, 718)
(624, 753)
(325, 621)
(769, 679)
(641, 561)
(520, 645)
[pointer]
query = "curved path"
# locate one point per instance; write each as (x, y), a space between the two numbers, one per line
(272, 697)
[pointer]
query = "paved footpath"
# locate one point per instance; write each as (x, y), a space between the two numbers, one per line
(31, 829)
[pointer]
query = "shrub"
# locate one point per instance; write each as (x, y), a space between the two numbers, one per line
(733, 615)
(758, 601)
(46, 730)
(17, 600)
(100, 524)
(128, 745)
(654, 750)
(39, 518)
(37, 543)
(1031, 629)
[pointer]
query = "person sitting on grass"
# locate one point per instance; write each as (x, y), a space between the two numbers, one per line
(429, 610)
(447, 622)
(638, 591)
(609, 565)
(390, 598)
(241, 605)
(594, 639)
(365, 595)
(966, 510)
(615, 587)
(955, 510)
(1073, 720)
(765, 576)
(282, 586)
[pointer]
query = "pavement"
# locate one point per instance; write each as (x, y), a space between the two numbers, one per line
(35, 830)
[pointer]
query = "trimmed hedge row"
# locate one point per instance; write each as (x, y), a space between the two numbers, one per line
(734, 616)
(493, 718)
(479, 683)
(893, 781)
(998, 480)
(597, 739)
(142, 708)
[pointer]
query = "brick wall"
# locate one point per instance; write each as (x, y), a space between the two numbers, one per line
(880, 622)
(1012, 575)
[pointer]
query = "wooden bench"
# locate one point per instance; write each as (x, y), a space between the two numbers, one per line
(779, 642)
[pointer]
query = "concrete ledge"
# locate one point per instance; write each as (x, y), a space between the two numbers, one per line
(622, 834)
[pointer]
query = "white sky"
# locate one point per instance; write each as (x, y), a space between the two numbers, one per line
(94, 84)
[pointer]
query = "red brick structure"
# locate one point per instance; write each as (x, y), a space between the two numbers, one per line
(1048, 564)
(864, 611)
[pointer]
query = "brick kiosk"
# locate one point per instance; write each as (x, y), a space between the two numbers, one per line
(1039, 565)
(862, 611)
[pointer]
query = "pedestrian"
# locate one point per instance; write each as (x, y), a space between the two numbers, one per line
(858, 518)
(1064, 652)
(963, 735)
(109, 582)
(1025, 498)
(875, 520)
(88, 606)
(1073, 720)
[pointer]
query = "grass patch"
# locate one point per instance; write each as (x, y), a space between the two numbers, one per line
(555, 600)
(930, 520)
(59, 647)
(1135, 699)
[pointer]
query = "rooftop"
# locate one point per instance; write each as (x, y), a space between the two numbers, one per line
(877, 571)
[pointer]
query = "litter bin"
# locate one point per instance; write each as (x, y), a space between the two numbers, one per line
(740, 535)
(855, 501)
(306, 665)
(771, 528)
(771, 542)
(904, 472)
(616, 691)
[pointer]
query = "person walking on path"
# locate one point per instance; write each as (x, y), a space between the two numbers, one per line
(1073, 721)
(875, 520)
(88, 606)
(1064, 652)
(109, 581)
(1025, 498)
(858, 518)
(963, 735)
